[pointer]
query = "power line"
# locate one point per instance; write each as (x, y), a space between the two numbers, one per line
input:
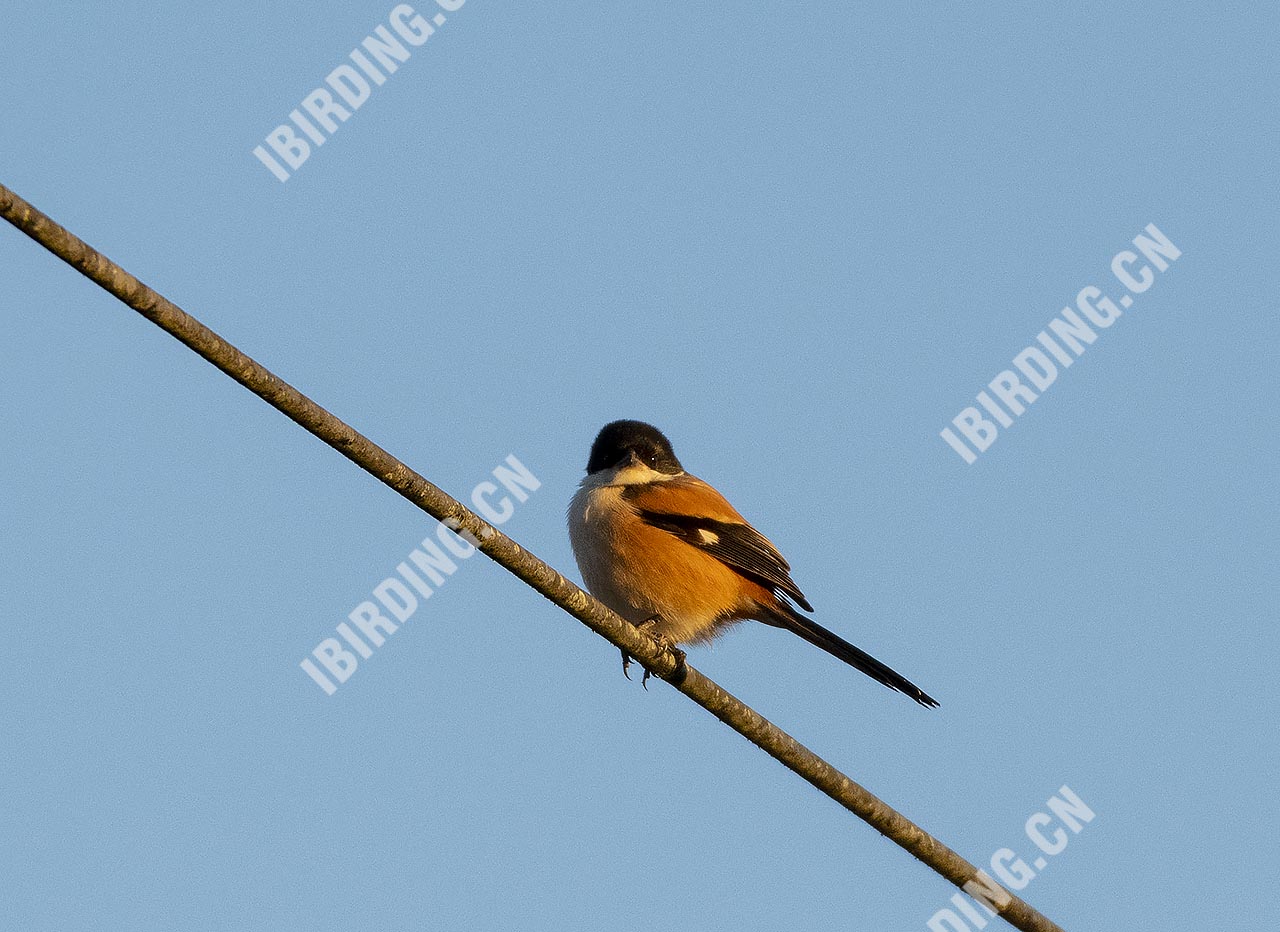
(511, 556)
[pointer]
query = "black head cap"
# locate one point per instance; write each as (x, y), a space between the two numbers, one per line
(618, 442)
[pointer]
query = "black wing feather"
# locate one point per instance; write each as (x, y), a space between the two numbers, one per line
(748, 552)
(737, 545)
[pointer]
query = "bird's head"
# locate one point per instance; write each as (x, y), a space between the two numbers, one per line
(621, 444)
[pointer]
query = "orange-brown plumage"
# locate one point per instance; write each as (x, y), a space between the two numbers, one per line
(663, 548)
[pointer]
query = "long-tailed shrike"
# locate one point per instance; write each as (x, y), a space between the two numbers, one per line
(668, 553)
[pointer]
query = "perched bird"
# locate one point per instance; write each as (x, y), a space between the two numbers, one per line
(668, 553)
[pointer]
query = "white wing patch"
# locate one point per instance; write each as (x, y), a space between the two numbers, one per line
(708, 537)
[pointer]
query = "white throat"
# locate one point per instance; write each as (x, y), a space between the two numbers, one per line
(631, 474)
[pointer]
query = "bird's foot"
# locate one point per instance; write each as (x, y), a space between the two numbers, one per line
(664, 644)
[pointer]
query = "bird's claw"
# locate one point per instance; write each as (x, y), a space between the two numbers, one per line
(664, 644)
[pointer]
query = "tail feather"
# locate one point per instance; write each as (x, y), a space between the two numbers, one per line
(781, 615)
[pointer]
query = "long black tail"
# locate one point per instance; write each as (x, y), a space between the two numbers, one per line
(781, 615)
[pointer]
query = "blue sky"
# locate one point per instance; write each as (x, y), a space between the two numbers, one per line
(801, 242)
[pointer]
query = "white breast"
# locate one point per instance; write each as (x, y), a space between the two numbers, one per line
(592, 512)
(603, 530)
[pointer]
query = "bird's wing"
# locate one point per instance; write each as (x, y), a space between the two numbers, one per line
(700, 516)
